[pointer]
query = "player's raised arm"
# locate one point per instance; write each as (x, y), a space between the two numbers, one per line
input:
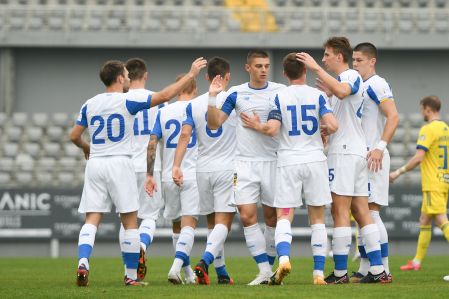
(332, 85)
(215, 116)
(172, 90)
(181, 147)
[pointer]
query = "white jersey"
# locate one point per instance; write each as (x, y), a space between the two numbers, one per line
(376, 91)
(216, 148)
(349, 138)
(252, 145)
(109, 118)
(143, 122)
(167, 128)
(299, 108)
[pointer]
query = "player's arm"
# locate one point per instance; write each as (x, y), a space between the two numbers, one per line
(172, 90)
(339, 89)
(181, 148)
(156, 134)
(215, 116)
(410, 165)
(388, 108)
(270, 128)
(328, 122)
(78, 130)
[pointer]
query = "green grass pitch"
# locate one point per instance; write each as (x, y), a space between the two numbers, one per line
(55, 278)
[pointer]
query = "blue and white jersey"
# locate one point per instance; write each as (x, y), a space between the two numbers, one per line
(167, 128)
(377, 90)
(109, 118)
(252, 145)
(349, 138)
(143, 122)
(216, 148)
(299, 108)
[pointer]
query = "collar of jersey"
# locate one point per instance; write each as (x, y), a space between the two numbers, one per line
(369, 78)
(266, 85)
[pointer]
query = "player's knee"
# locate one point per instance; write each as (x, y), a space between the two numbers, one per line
(248, 219)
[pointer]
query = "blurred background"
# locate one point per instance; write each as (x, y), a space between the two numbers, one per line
(51, 52)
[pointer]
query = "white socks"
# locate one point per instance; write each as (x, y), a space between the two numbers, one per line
(341, 244)
(183, 248)
(370, 234)
(130, 247)
(383, 239)
(215, 242)
(146, 232)
(255, 242)
(318, 242)
(86, 242)
(269, 235)
(364, 261)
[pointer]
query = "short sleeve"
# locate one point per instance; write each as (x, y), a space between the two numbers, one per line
(188, 118)
(135, 105)
(275, 112)
(229, 103)
(82, 118)
(324, 106)
(157, 128)
(425, 138)
(380, 92)
(351, 78)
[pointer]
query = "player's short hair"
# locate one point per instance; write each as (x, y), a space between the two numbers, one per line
(110, 71)
(293, 68)
(256, 53)
(340, 45)
(136, 68)
(433, 102)
(217, 66)
(190, 88)
(367, 49)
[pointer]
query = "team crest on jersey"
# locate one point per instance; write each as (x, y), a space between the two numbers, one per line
(422, 137)
(246, 98)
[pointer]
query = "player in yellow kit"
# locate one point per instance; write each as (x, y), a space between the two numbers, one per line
(432, 153)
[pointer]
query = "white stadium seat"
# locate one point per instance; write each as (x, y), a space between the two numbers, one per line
(5, 178)
(71, 150)
(66, 178)
(24, 162)
(19, 119)
(14, 133)
(6, 164)
(10, 149)
(60, 119)
(67, 163)
(3, 119)
(24, 177)
(40, 119)
(32, 148)
(51, 149)
(34, 134)
(46, 163)
(55, 133)
(44, 178)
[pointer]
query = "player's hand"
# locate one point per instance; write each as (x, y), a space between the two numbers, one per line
(86, 151)
(216, 86)
(393, 176)
(323, 87)
(150, 185)
(308, 61)
(324, 130)
(252, 122)
(197, 66)
(177, 176)
(374, 158)
(324, 139)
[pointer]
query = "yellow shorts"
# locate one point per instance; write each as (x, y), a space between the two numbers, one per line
(434, 202)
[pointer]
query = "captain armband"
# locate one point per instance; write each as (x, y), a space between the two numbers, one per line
(275, 114)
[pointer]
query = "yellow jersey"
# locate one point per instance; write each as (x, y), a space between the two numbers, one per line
(434, 140)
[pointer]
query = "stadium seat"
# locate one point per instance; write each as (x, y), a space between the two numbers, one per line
(17, 20)
(24, 162)
(67, 178)
(352, 3)
(19, 119)
(134, 19)
(34, 134)
(76, 21)
(413, 134)
(297, 23)
(70, 150)
(51, 149)
(370, 3)
(55, 133)
(32, 148)
(415, 120)
(44, 178)
(173, 23)
(153, 24)
(14, 133)
(334, 2)
(411, 148)
(405, 22)
(60, 119)
(113, 23)
(80, 177)
(441, 22)
(370, 22)
(94, 23)
(213, 23)
(352, 21)
(334, 21)
(423, 22)
(423, 3)
(399, 135)
(5, 178)
(6, 164)
(317, 2)
(414, 178)
(24, 177)
(388, 23)
(56, 20)
(3, 119)
(39, 119)
(298, 2)
(35, 23)
(280, 2)
(67, 163)
(396, 149)
(396, 162)
(440, 3)
(46, 163)
(315, 21)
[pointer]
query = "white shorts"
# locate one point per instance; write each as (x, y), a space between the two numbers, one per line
(109, 180)
(348, 175)
(216, 191)
(312, 178)
(254, 181)
(379, 182)
(149, 207)
(181, 201)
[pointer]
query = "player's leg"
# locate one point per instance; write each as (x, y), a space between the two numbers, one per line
(283, 239)
(318, 242)
(247, 193)
(130, 247)
(267, 197)
(176, 230)
(442, 222)
(425, 234)
(375, 214)
(86, 242)
(439, 205)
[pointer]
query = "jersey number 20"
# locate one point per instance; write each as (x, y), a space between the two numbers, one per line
(97, 119)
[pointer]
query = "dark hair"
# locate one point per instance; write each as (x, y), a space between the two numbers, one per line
(191, 87)
(257, 53)
(293, 68)
(340, 45)
(433, 102)
(136, 68)
(366, 48)
(217, 66)
(110, 71)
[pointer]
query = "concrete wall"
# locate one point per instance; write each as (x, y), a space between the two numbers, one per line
(61, 79)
